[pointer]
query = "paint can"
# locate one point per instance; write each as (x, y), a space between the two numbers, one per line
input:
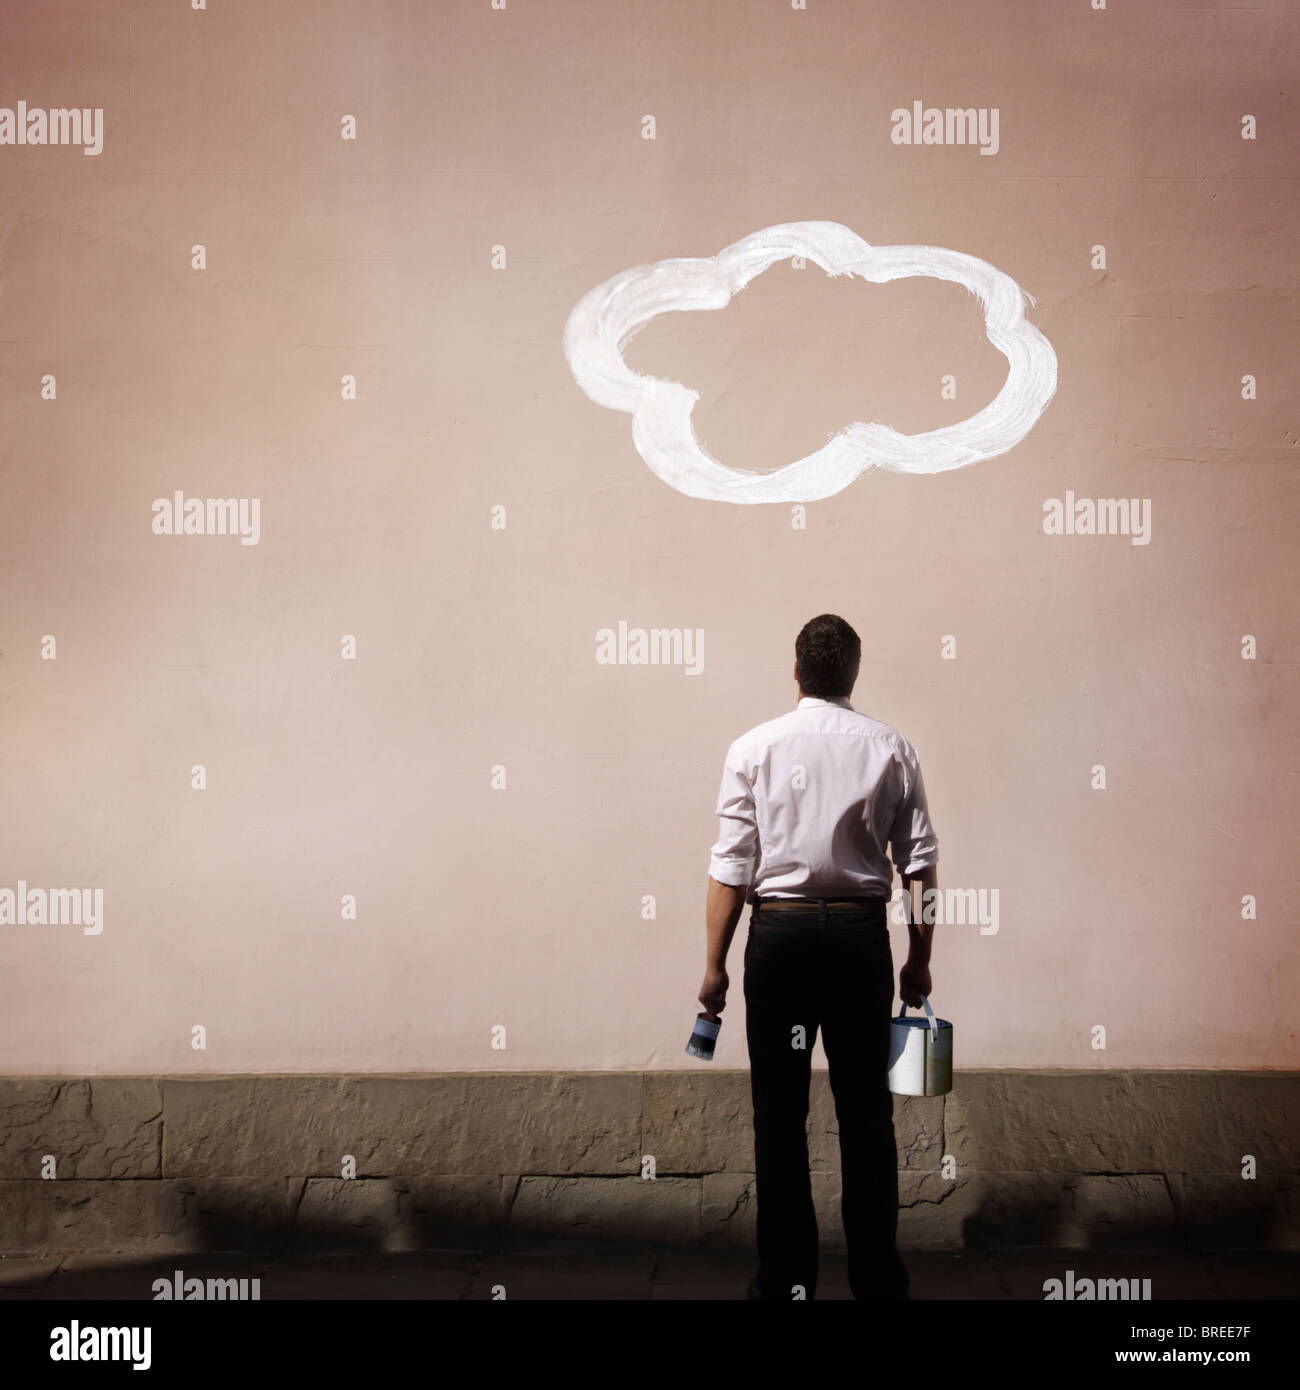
(920, 1054)
(703, 1036)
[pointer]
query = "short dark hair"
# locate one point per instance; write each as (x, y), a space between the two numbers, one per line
(829, 654)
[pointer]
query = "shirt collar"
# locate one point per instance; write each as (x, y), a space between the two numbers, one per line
(841, 700)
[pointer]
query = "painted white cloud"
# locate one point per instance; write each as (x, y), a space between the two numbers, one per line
(604, 321)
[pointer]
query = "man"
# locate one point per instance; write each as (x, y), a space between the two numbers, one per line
(807, 805)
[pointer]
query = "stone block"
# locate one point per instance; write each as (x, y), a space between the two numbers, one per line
(247, 1126)
(1234, 1213)
(698, 1122)
(1254, 1113)
(931, 1210)
(75, 1216)
(1122, 1121)
(245, 1213)
(453, 1212)
(918, 1131)
(464, 1123)
(552, 1122)
(357, 1215)
(97, 1127)
(991, 1210)
(1134, 1211)
(728, 1210)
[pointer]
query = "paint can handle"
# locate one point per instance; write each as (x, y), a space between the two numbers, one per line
(929, 1013)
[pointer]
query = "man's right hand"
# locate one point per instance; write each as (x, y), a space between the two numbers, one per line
(913, 982)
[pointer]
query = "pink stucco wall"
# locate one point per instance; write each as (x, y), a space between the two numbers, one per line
(1160, 249)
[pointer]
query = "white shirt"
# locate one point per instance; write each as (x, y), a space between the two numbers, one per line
(809, 801)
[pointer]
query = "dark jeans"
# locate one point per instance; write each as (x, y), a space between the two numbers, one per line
(832, 971)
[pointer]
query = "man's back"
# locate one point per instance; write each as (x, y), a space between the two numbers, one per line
(810, 801)
(809, 807)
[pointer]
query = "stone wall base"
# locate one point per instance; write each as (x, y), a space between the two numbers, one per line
(536, 1160)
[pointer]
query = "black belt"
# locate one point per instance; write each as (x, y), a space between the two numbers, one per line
(830, 904)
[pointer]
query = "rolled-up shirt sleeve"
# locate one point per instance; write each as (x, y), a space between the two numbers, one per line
(913, 844)
(734, 859)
